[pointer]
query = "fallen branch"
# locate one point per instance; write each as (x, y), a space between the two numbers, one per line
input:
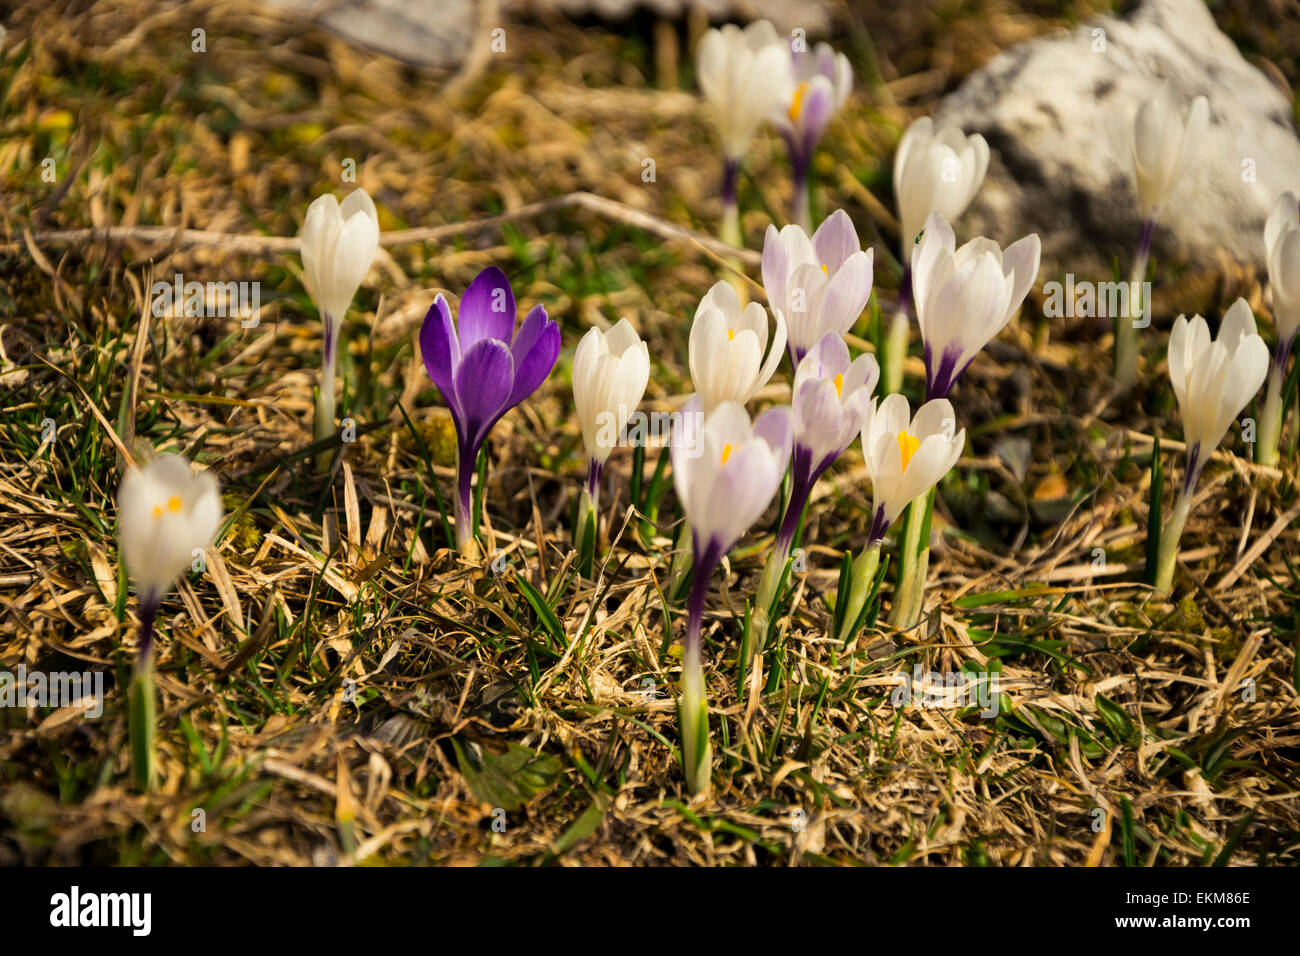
(609, 208)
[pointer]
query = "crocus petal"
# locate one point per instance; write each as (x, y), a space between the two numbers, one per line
(440, 350)
(835, 240)
(535, 350)
(483, 385)
(487, 310)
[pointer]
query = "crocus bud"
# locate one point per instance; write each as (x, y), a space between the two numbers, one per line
(1282, 243)
(906, 456)
(165, 512)
(936, 170)
(1165, 131)
(1214, 379)
(727, 345)
(339, 242)
(744, 75)
(821, 284)
(966, 296)
(610, 373)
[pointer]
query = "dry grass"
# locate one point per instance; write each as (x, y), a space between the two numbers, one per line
(468, 696)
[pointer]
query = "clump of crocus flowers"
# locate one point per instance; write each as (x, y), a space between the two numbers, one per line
(937, 169)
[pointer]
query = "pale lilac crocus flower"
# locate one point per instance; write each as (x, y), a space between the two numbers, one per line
(484, 368)
(820, 284)
(821, 82)
(831, 404)
(726, 472)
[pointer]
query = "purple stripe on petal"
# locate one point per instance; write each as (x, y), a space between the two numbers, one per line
(535, 350)
(483, 383)
(939, 381)
(487, 310)
(879, 526)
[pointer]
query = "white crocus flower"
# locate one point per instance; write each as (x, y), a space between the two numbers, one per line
(1282, 245)
(936, 170)
(727, 345)
(726, 472)
(820, 284)
(1214, 380)
(610, 373)
(966, 296)
(1165, 131)
(1282, 242)
(744, 75)
(164, 513)
(906, 456)
(339, 242)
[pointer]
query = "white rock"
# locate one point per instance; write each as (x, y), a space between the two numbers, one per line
(1058, 115)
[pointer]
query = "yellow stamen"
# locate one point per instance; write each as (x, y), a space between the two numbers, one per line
(730, 334)
(726, 453)
(796, 103)
(157, 512)
(839, 385)
(907, 446)
(825, 271)
(174, 504)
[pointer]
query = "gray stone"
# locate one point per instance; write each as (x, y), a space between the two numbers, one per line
(1058, 113)
(430, 33)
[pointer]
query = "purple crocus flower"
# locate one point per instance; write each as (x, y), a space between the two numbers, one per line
(484, 368)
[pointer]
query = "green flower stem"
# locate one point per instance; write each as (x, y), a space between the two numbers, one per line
(142, 713)
(900, 326)
(914, 563)
(1126, 349)
(864, 573)
(1269, 433)
(1173, 530)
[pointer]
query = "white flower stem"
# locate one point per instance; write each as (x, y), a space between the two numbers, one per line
(325, 410)
(865, 566)
(1169, 536)
(1269, 433)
